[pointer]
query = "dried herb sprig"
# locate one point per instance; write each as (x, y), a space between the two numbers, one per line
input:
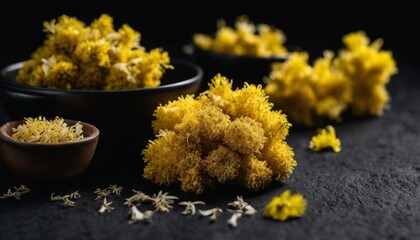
(136, 215)
(163, 202)
(211, 213)
(240, 206)
(190, 207)
(106, 192)
(115, 189)
(106, 206)
(66, 199)
(233, 220)
(102, 193)
(19, 191)
(137, 198)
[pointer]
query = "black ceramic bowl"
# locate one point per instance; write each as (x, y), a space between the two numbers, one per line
(123, 116)
(240, 69)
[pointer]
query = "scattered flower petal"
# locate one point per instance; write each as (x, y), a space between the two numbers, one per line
(212, 213)
(190, 207)
(233, 220)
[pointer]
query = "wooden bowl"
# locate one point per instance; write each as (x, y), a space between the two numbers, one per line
(37, 164)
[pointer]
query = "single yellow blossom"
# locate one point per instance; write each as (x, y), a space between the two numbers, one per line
(325, 138)
(285, 205)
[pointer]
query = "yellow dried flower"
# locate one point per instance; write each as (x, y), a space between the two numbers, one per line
(285, 205)
(369, 69)
(307, 94)
(356, 79)
(245, 39)
(222, 136)
(75, 56)
(40, 130)
(326, 138)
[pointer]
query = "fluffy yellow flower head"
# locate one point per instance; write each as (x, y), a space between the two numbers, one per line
(326, 138)
(41, 130)
(75, 56)
(307, 94)
(285, 205)
(354, 80)
(245, 39)
(222, 136)
(369, 69)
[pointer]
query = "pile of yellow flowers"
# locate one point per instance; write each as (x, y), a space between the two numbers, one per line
(222, 136)
(355, 79)
(75, 56)
(41, 130)
(245, 39)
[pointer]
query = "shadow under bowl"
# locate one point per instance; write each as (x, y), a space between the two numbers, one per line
(46, 164)
(123, 116)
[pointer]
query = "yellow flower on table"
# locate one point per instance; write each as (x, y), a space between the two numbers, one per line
(369, 69)
(326, 138)
(285, 206)
(222, 136)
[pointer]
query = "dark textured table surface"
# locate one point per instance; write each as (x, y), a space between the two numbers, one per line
(370, 190)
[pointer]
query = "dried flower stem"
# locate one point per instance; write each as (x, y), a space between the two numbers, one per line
(19, 191)
(240, 206)
(106, 192)
(233, 220)
(106, 206)
(163, 202)
(137, 198)
(115, 189)
(66, 199)
(136, 215)
(213, 213)
(190, 207)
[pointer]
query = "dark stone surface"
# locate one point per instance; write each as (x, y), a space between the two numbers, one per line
(370, 190)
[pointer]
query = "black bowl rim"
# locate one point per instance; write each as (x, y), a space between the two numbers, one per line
(198, 76)
(9, 139)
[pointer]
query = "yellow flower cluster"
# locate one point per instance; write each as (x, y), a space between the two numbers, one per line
(222, 136)
(326, 138)
(285, 205)
(75, 56)
(356, 79)
(245, 39)
(309, 94)
(369, 69)
(40, 130)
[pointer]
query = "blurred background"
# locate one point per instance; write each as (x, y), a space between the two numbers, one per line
(312, 25)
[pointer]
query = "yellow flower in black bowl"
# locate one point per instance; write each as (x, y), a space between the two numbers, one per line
(99, 75)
